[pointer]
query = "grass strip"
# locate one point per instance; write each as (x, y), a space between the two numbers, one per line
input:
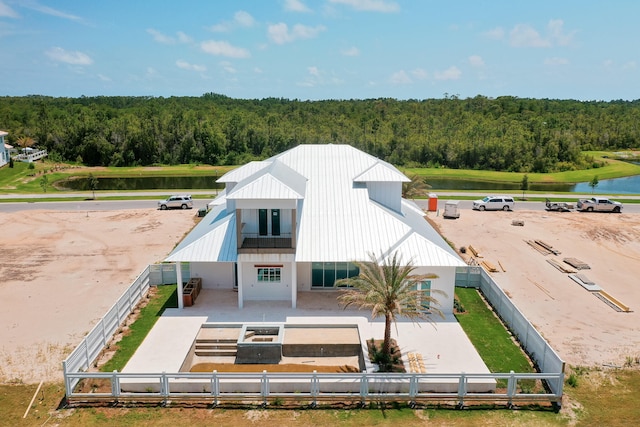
(489, 336)
(162, 298)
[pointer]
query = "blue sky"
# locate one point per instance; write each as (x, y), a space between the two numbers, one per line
(321, 49)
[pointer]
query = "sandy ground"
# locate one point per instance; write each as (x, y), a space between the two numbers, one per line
(60, 271)
(580, 327)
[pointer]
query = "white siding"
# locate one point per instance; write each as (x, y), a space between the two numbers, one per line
(219, 275)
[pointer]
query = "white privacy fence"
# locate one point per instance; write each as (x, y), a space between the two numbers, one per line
(538, 349)
(455, 387)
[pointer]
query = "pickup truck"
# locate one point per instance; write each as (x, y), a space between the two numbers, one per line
(599, 204)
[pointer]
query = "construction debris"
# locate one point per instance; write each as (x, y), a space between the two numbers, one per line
(518, 222)
(489, 267)
(582, 280)
(538, 247)
(502, 267)
(474, 252)
(547, 247)
(577, 264)
(560, 267)
(612, 302)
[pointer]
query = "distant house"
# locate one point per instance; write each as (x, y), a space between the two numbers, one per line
(4, 149)
(296, 221)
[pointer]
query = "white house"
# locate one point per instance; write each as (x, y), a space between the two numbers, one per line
(296, 221)
(4, 149)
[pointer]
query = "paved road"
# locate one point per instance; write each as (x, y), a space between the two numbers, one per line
(31, 202)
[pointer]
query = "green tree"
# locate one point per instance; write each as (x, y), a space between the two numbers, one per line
(44, 183)
(594, 183)
(524, 184)
(389, 289)
(414, 188)
(93, 184)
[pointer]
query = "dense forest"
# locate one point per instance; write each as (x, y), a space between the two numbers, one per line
(505, 133)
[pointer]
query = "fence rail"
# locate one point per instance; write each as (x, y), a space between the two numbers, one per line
(261, 387)
(312, 387)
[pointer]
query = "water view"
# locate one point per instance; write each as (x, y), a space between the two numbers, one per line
(627, 185)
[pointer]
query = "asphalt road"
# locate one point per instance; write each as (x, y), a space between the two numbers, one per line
(105, 205)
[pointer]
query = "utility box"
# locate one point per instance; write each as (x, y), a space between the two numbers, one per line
(451, 209)
(433, 202)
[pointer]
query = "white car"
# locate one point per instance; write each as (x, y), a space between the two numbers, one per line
(178, 202)
(494, 203)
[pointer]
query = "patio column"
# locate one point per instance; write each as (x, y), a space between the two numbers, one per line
(179, 284)
(240, 297)
(294, 285)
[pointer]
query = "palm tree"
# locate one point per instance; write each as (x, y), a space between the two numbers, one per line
(25, 141)
(414, 188)
(390, 290)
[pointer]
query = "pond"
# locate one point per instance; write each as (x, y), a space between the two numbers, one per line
(144, 183)
(627, 185)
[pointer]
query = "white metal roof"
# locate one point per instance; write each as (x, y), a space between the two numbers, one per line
(338, 221)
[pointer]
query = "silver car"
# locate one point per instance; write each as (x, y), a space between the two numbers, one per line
(178, 201)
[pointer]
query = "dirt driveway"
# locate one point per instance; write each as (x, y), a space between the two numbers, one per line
(583, 329)
(62, 270)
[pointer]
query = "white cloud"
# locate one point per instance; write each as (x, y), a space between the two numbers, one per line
(7, 12)
(257, 70)
(280, 34)
(556, 61)
(183, 38)
(370, 5)
(420, 74)
(314, 71)
(631, 65)
(223, 48)
(191, 67)
(33, 5)
(451, 73)
(400, 78)
(495, 33)
(69, 57)
(352, 51)
(226, 65)
(476, 61)
(164, 39)
(104, 78)
(295, 6)
(243, 19)
(524, 35)
(240, 19)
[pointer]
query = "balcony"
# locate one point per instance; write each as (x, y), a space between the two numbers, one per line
(253, 242)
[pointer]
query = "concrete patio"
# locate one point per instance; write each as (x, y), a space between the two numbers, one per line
(442, 346)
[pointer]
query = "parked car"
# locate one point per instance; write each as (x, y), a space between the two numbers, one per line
(182, 201)
(599, 204)
(495, 203)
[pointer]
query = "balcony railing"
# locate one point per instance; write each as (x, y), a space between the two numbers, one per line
(256, 241)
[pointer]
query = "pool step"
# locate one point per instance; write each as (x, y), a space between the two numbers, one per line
(210, 347)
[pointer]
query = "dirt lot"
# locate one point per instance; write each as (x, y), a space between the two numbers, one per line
(61, 271)
(581, 328)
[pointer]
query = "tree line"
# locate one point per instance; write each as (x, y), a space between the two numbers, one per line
(504, 133)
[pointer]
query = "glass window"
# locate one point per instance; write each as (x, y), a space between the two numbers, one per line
(269, 274)
(325, 274)
(317, 274)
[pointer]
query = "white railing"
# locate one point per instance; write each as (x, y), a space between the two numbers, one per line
(312, 387)
(30, 157)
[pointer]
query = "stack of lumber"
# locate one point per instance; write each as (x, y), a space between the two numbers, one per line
(489, 267)
(538, 247)
(475, 252)
(560, 267)
(577, 264)
(547, 247)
